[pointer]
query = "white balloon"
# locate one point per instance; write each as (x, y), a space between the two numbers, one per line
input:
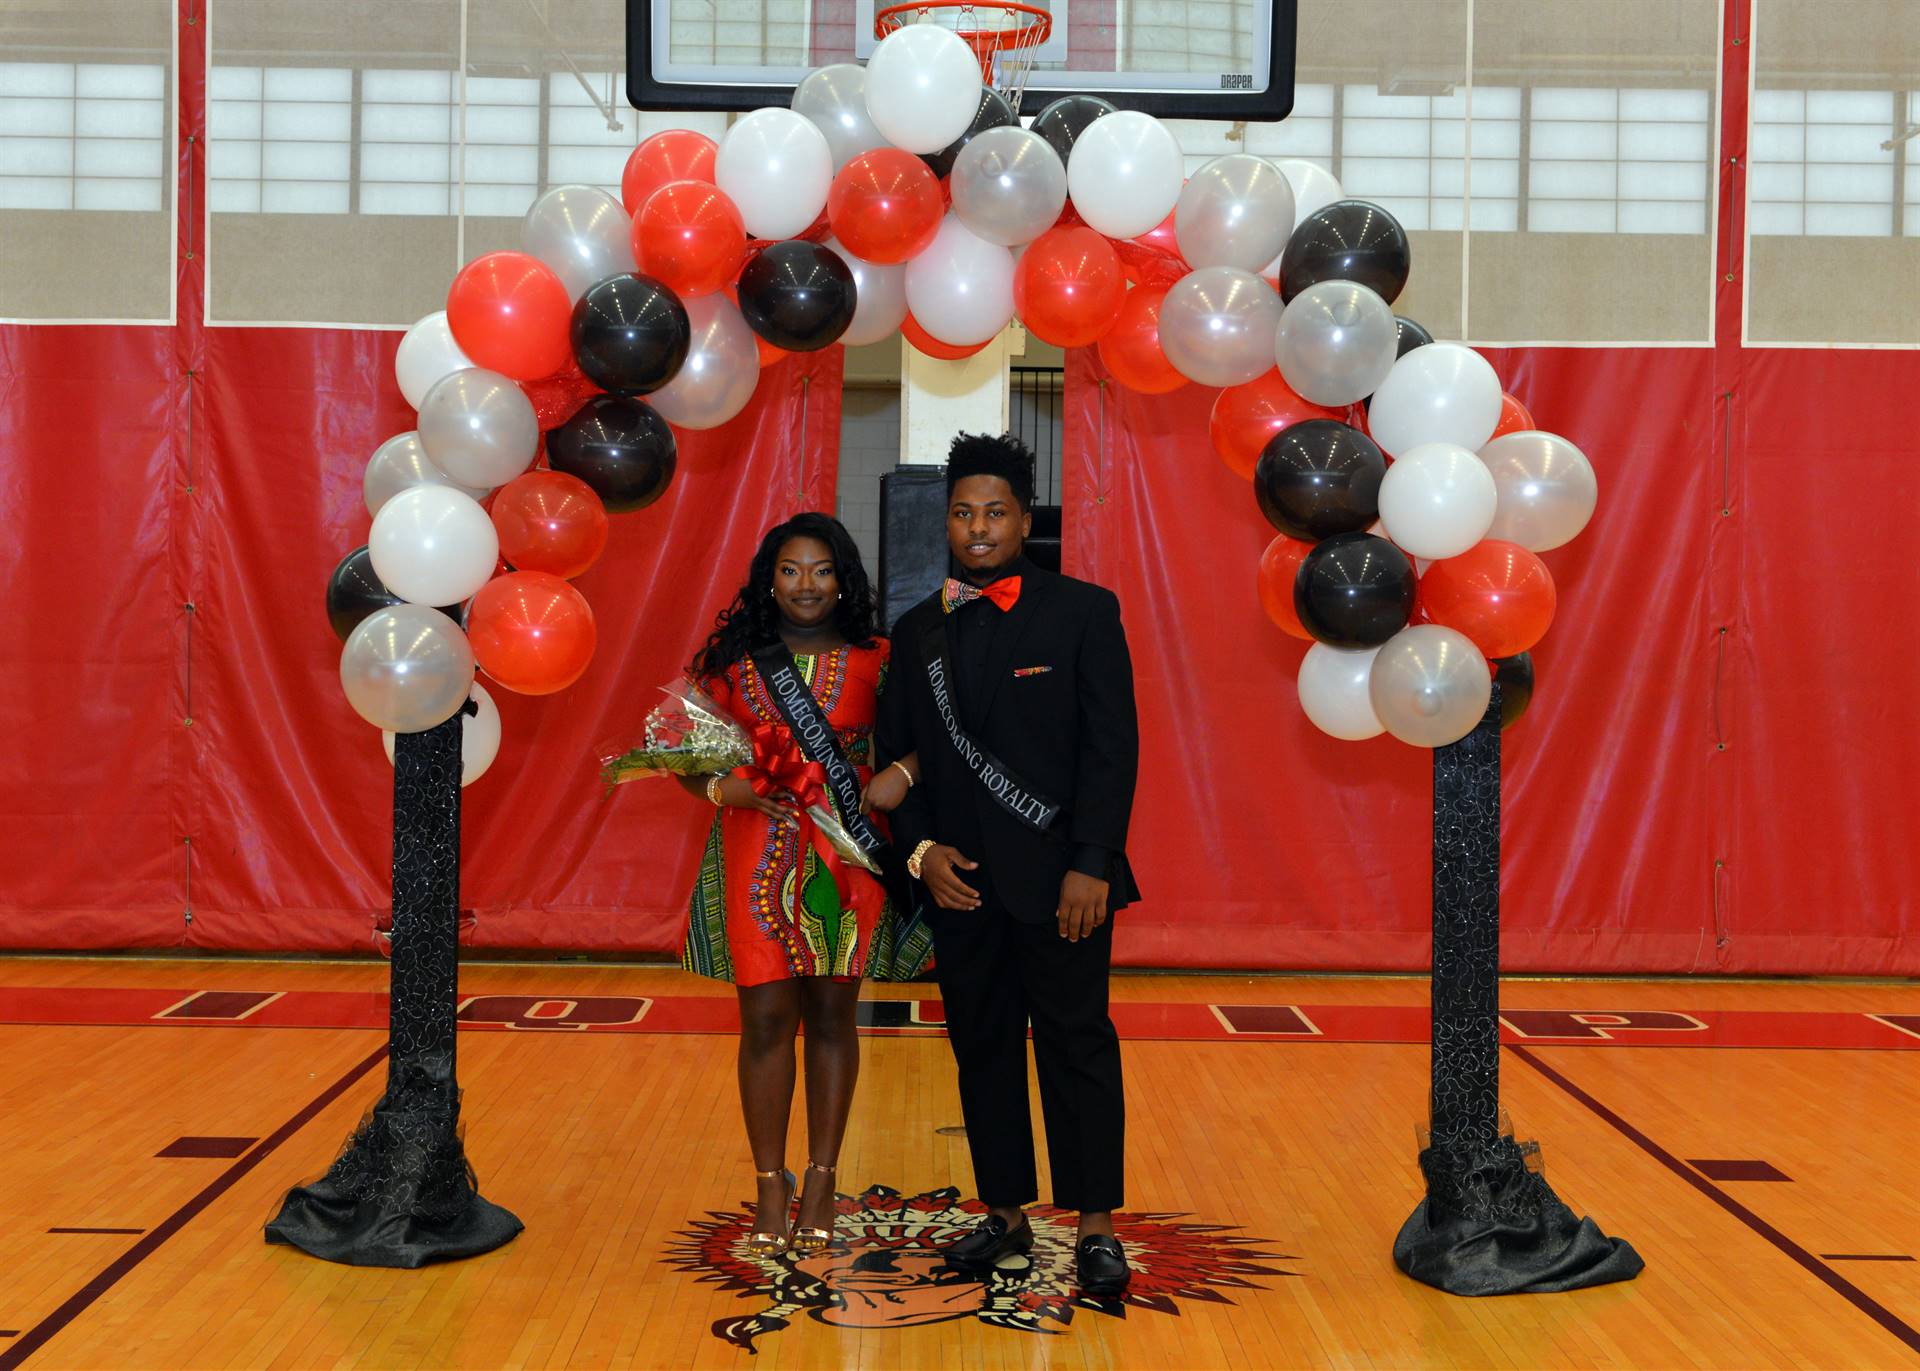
(1124, 174)
(835, 99)
(1437, 500)
(776, 167)
(426, 354)
(401, 462)
(1547, 489)
(879, 294)
(1313, 190)
(961, 287)
(582, 232)
(721, 371)
(923, 87)
(1430, 686)
(431, 545)
(479, 737)
(1333, 692)
(1440, 393)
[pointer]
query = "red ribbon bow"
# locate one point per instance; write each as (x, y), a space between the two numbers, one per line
(779, 766)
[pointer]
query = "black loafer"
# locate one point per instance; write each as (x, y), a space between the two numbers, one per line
(1102, 1265)
(993, 1239)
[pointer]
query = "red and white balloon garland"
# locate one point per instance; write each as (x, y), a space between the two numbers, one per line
(905, 196)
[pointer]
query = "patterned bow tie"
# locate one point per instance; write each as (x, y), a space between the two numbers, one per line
(1004, 593)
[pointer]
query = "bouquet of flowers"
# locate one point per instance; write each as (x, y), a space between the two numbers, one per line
(687, 734)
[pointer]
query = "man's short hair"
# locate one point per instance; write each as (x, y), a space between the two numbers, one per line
(979, 454)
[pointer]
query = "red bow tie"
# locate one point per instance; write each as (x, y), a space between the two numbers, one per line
(1005, 593)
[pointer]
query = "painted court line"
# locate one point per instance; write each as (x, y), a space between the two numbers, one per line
(82, 1299)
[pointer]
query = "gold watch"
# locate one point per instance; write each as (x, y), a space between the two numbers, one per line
(918, 858)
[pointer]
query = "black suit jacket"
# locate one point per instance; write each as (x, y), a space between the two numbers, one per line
(1068, 731)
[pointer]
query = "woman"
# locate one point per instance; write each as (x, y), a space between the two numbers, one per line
(792, 928)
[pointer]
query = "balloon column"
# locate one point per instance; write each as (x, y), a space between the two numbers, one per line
(905, 197)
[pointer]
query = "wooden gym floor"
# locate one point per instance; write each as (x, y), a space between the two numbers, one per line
(1754, 1141)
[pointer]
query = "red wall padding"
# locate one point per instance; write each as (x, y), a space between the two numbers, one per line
(1634, 840)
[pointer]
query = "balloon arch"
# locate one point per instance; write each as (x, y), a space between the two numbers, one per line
(1411, 498)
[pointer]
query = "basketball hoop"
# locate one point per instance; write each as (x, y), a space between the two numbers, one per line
(1006, 50)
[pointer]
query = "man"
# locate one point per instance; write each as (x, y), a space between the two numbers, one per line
(1014, 686)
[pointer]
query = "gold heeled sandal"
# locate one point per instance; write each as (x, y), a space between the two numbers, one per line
(810, 1240)
(764, 1244)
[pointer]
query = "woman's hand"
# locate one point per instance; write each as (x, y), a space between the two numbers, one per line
(737, 792)
(886, 792)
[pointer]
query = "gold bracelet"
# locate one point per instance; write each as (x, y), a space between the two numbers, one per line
(919, 856)
(713, 791)
(908, 774)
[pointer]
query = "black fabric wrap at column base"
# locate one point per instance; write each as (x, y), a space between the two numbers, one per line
(401, 1192)
(1489, 1225)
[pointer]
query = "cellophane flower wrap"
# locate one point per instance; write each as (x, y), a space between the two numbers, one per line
(687, 734)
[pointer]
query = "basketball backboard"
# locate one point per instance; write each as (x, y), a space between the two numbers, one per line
(1192, 59)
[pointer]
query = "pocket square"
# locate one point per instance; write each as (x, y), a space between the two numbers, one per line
(1031, 670)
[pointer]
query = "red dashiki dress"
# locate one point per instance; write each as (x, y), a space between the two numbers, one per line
(766, 908)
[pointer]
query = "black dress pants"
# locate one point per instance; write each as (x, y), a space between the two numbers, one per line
(996, 975)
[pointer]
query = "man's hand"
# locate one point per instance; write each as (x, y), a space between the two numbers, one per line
(885, 791)
(1083, 906)
(938, 869)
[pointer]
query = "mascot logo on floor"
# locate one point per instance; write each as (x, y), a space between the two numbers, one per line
(885, 1270)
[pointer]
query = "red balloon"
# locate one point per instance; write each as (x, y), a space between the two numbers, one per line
(1499, 594)
(932, 346)
(1131, 348)
(689, 235)
(1068, 287)
(1514, 417)
(1245, 417)
(510, 314)
(885, 206)
(671, 155)
(1153, 259)
(531, 632)
(1278, 566)
(550, 521)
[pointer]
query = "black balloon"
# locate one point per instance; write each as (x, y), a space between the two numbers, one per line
(630, 334)
(1319, 478)
(620, 447)
(1349, 240)
(1411, 335)
(1062, 122)
(1354, 590)
(994, 113)
(354, 592)
(1514, 676)
(797, 295)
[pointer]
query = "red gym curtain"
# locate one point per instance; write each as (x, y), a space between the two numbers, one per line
(1678, 798)
(268, 816)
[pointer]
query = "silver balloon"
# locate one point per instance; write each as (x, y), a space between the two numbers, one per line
(1546, 489)
(1430, 685)
(401, 462)
(1009, 186)
(835, 99)
(479, 428)
(879, 296)
(582, 232)
(1217, 326)
(406, 668)
(721, 370)
(1336, 343)
(1236, 211)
